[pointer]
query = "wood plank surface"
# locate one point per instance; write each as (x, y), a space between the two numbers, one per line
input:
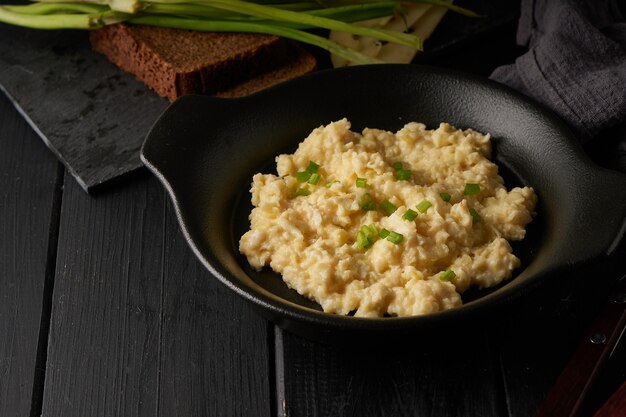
(104, 335)
(534, 347)
(28, 173)
(215, 349)
(540, 336)
(443, 378)
(138, 327)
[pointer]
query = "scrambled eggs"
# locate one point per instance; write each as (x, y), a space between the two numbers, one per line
(383, 224)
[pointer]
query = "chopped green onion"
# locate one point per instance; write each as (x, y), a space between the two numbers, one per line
(369, 206)
(366, 236)
(362, 240)
(475, 216)
(471, 189)
(302, 191)
(410, 215)
(388, 207)
(423, 206)
(403, 174)
(448, 275)
(445, 196)
(395, 237)
(303, 176)
(361, 182)
(331, 183)
(366, 202)
(312, 168)
(315, 178)
(370, 231)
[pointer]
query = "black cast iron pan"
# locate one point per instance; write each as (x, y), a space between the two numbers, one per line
(205, 151)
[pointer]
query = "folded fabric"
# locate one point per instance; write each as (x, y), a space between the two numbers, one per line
(575, 64)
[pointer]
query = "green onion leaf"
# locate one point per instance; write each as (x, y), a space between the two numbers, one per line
(410, 215)
(254, 27)
(288, 19)
(475, 216)
(395, 237)
(303, 176)
(361, 182)
(366, 202)
(302, 192)
(445, 196)
(471, 189)
(384, 233)
(403, 174)
(309, 20)
(331, 183)
(448, 275)
(423, 206)
(315, 178)
(312, 168)
(397, 166)
(388, 207)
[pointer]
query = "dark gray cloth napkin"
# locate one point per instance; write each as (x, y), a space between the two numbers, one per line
(576, 65)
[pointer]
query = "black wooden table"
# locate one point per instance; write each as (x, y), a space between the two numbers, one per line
(105, 311)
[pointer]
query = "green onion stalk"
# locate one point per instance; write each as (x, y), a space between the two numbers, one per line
(288, 19)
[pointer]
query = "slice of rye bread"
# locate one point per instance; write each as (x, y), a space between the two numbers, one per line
(174, 62)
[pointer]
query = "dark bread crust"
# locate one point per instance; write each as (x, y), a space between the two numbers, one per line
(175, 62)
(300, 63)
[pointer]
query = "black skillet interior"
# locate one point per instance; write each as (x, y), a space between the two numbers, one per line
(206, 150)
